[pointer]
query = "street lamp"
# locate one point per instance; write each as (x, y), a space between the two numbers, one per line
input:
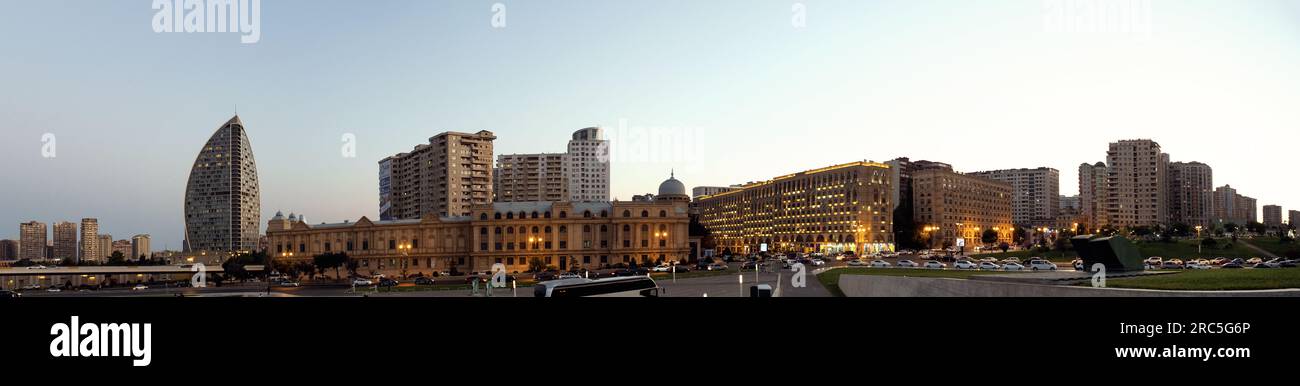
(1199, 244)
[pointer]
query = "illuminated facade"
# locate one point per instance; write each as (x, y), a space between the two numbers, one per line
(564, 235)
(839, 208)
(953, 209)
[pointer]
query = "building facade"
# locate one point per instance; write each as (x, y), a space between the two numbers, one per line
(1035, 194)
(445, 178)
(1273, 216)
(563, 235)
(1092, 195)
(1230, 207)
(140, 247)
(530, 178)
(845, 207)
(126, 248)
(90, 240)
(105, 247)
(700, 191)
(955, 210)
(587, 166)
(9, 249)
(32, 240)
(1135, 184)
(1191, 194)
(65, 241)
(223, 204)
(1293, 219)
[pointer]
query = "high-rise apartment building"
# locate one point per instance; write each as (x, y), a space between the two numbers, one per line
(1293, 219)
(1135, 184)
(1273, 216)
(140, 247)
(1035, 194)
(90, 250)
(65, 241)
(530, 177)
(1230, 207)
(32, 237)
(1092, 195)
(587, 165)
(105, 246)
(223, 204)
(1191, 194)
(445, 177)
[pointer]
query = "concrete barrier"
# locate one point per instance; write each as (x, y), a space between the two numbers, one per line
(898, 286)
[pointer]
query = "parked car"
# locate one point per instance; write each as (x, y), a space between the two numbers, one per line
(857, 263)
(990, 266)
(1013, 267)
(287, 283)
(1231, 264)
(1011, 260)
(1172, 264)
(717, 267)
(965, 264)
(935, 265)
(1254, 260)
(1196, 264)
(1261, 265)
(662, 268)
(139, 287)
(1045, 265)
(7, 294)
(362, 282)
(569, 275)
(907, 264)
(1154, 261)
(386, 282)
(816, 262)
(1274, 263)
(879, 264)
(1286, 264)
(989, 260)
(424, 280)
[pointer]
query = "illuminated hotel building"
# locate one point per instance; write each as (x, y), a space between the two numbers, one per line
(952, 208)
(838, 208)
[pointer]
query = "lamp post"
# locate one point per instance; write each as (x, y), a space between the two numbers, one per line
(1199, 244)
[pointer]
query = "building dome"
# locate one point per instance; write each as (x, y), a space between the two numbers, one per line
(672, 187)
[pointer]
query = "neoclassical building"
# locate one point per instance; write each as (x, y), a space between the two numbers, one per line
(564, 235)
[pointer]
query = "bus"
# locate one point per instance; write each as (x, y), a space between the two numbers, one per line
(633, 286)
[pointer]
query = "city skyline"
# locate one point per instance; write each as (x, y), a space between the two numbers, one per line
(1039, 98)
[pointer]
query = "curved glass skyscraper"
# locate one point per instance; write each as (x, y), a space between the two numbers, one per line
(223, 205)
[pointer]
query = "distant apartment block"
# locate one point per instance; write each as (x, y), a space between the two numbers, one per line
(530, 177)
(1191, 194)
(1135, 184)
(955, 210)
(65, 241)
(90, 247)
(9, 249)
(1273, 216)
(1035, 194)
(1092, 195)
(700, 191)
(587, 166)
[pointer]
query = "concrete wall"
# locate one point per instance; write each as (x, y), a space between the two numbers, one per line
(897, 286)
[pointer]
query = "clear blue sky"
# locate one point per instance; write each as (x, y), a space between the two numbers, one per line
(979, 84)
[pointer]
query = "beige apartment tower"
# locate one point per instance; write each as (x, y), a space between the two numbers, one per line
(1035, 194)
(587, 166)
(140, 247)
(1273, 216)
(31, 240)
(1135, 184)
(105, 247)
(1191, 194)
(530, 177)
(1092, 195)
(445, 177)
(833, 209)
(90, 249)
(65, 241)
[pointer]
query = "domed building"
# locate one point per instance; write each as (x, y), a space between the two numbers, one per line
(672, 190)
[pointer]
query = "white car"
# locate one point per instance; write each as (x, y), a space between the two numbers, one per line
(54, 289)
(662, 268)
(965, 264)
(990, 266)
(139, 287)
(1013, 267)
(359, 282)
(571, 275)
(1010, 260)
(817, 262)
(935, 265)
(36, 267)
(879, 264)
(907, 263)
(1196, 265)
(1042, 265)
(857, 263)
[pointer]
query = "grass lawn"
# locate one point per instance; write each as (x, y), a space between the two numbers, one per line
(831, 278)
(1215, 279)
(1274, 245)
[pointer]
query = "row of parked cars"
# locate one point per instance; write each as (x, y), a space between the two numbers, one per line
(987, 264)
(1221, 262)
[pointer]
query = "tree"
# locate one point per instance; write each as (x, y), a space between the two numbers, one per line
(990, 236)
(1231, 227)
(305, 268)
(331, 260)
(1180, 230)
(1004, 247)
(1019, 235)
(536, 265)
(1256, 228)
(116, 259)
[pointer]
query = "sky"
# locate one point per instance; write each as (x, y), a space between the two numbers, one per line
(718, 91)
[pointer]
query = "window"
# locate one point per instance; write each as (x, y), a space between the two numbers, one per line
(627, 213)
(563, 215)
(349, 246)
(510, 216)
(498, 215)
(546, 215)
(392, 244)
(586, 214)
(302, 248)
(482, 217)
(534, 214)
(415, 243)
(663, 213)
(365, 245)
(604, 214)
(645, 213)
(327, 247)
